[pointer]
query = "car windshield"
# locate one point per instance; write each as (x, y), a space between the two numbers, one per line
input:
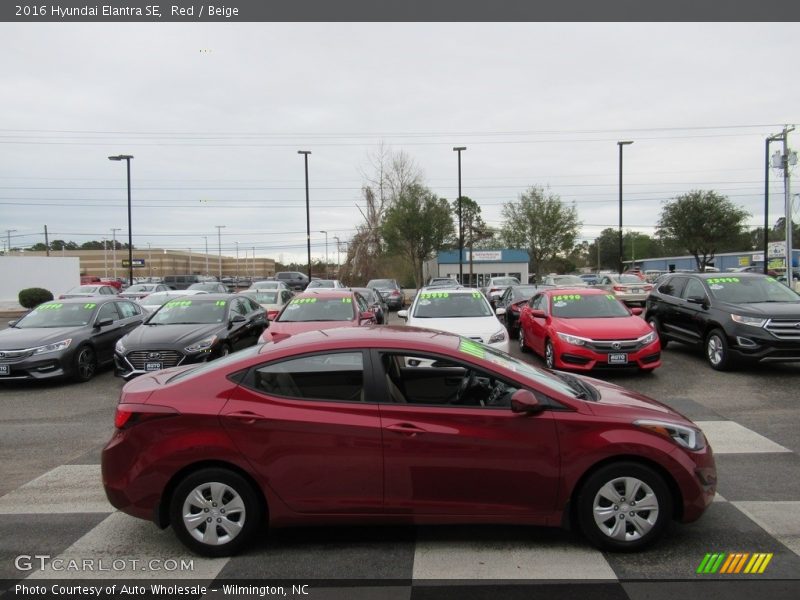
(262, 297)
(141, 288)
(318, 309)
(266, 284)
(322, 283)
(582, 306)
(747, 290)
(206, 287)
(505, 281)
(157, 299)
(568, 280)
(381, 283)
(369, 294)
(58, 314)
(190, 311)
(629, 279)
(440, 305)
(84, 289)
(524, 291)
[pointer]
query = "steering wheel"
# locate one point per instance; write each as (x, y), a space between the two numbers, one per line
(466, 384)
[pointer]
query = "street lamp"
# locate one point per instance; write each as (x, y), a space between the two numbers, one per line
(620, 144)
(459, 149)
(326, 253)
(237, 260)
(219, 248)
(127, 158)
(8, 233)
(205, 237)
(305, 154)
(336, 237)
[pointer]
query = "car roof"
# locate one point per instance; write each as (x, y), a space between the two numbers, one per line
(717, 275)
(380, 336)
(84, 300)
(325, 292)
(557, 291)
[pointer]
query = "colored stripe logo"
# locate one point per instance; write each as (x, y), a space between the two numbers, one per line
(734, 563)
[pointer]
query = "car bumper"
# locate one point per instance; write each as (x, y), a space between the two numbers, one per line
(579, 358)
(758, 345)
(696, 476)
(628, 298)
(52, 366)
(393, 301)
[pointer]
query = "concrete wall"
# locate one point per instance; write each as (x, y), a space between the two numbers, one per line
(52, 273)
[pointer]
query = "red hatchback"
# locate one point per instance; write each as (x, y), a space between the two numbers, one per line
(584, 329)
(318, 309)
(398, 425)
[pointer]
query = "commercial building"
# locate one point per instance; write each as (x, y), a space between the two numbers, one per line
(479, 265)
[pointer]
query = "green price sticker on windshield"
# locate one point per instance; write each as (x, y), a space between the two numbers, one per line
(472, 348)
(611, 296)
(347, 300)
(434, 295)
(303, 301)
(175, 303)
(220, 303)
(89, 305)
(567, 298)
(53, 306)
(715, 280)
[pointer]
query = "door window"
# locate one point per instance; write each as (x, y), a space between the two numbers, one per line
(694, 288)
(128, 309)
(108, 311)
(673, 286)
(332, 376)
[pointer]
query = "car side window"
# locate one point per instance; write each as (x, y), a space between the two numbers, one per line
(108, 311)
(673, 286)
(362, 304)
(237, 307)
(539, 302)
(694, 288)
(332, 376)
(128, 309)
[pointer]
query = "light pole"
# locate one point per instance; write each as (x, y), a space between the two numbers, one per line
(459, 149)
(305, 154)
(127, 158)
(237, 260)
(149, 260)
(205, 237)
(8, 233)
(326, 253)
(336, 237)
(621, 144)
(219, 248)
(114, 231)
(105, 258)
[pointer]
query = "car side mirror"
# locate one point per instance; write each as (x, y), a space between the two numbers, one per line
(12, 323)
(538, 313)
(636, 310)
(500, 311)
(104, 322)
(365, 317)
(525, 402)
(403, 314)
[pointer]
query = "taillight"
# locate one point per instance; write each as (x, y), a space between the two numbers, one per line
(61, 297)
(647, 288)
(271, 314)
(395, 293)
(619, 288)
(128, 415)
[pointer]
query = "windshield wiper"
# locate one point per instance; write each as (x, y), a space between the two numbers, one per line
(583, 390)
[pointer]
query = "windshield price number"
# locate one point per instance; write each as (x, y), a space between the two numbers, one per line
(152, 366)
(618, 358)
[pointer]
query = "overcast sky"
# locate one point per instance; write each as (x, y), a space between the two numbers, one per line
(215, 113)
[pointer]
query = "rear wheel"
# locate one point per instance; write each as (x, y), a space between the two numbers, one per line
(521, 339)
(624, 507)
(215, 512)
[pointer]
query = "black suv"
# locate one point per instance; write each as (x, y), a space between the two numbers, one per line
(736, 316)
(294, 280)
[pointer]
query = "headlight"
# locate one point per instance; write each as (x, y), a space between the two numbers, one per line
(755, 322)
(573, 339)
(119, 348)
(498, 337)
(648, 338)
(202, 345)
(687, 437)
(55, 347)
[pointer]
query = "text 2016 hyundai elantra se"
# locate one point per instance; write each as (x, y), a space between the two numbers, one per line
(398, 425)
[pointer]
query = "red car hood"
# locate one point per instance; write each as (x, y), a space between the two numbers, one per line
(613, 398)
(614, 328)
(280, 330)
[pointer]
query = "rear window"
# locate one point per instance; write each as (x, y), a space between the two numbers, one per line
(318, 309)
(438, 305)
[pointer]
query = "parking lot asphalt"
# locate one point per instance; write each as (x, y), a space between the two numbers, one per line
(51, 502)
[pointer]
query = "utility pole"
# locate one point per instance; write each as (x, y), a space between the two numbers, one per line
(8, 233)
(237, 260)
(149, 260)
(114, 231)
(788, 160)
(336, 237)
(105, 258)
(205, 237)
(219, 248)
(46, 241)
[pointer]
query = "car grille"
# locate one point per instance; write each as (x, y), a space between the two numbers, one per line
(13, 356)
(784, 329)
(614, 345)
(167, 358)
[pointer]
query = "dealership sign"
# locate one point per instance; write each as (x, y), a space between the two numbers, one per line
(485, 255)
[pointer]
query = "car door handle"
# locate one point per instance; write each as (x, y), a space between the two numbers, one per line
(245, 416)
(406, 429)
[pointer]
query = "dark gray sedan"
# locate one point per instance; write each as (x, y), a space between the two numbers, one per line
(66, 338)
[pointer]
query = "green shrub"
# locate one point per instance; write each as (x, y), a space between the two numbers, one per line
(33, 297)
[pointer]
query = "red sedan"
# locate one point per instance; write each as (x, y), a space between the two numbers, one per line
(583, 329)
(398, 425)
(318, 309)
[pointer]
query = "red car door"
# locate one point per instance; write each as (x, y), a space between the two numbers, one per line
(536, 327)
(451, 459)
(309, 435)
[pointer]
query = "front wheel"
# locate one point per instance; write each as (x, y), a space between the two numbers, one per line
(717, 352)
(521, 338)
(549, 355)
(624, 507)
(85, 364)
(654, 324)
(215, 512)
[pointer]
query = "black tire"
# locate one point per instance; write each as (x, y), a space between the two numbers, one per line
(513, 331)
(85, 364)
(654, 323)
(225, 349)
(232, 489)
(549, 355)
(521, 337)
(716, 349)
(626, 528)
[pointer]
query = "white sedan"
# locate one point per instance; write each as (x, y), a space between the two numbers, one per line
(464, 312)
